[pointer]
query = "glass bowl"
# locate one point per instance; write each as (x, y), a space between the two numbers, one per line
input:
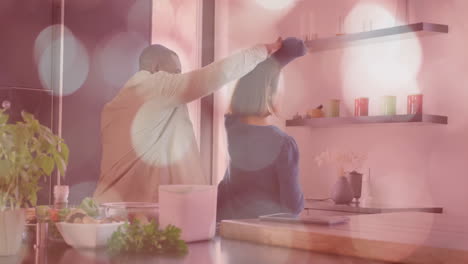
(132, 210)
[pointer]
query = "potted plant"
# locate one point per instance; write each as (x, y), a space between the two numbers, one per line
(29, 152)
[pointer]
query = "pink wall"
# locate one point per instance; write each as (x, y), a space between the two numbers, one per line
(410, 165)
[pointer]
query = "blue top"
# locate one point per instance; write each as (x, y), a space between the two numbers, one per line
(263, 174)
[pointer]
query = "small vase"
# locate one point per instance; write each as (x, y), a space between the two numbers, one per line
(342, 192)
(355, 180)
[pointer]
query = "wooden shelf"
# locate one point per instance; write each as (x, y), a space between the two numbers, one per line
(362, 120)
(392, 33)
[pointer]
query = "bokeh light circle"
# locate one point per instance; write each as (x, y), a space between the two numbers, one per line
(117, 57)
(187, 24)
(137, 18)
(157, 139)
(276, 4)
(47, 58)
(163, 17)
(387, 67)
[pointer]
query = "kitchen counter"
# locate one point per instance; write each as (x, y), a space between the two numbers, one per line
(369, 207)
(216, 251)
(366, 239)
(410, 237)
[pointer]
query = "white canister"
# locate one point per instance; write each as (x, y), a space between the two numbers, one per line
(192, 208)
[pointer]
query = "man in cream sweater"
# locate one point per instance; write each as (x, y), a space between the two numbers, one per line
(147, 136)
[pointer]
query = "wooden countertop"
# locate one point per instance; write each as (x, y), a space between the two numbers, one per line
(410, 237)
(216, 251)
(369, 207)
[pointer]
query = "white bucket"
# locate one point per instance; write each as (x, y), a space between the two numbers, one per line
(192, 208)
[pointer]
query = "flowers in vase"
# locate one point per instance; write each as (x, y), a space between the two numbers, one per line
(345, 160)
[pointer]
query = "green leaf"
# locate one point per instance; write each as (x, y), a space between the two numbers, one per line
(60, 163)
(33, 198)
(27, 116)
(4, 167)
(136, 238)
(49, 138)
(29, 152)
(47, 164)
(90, 206)
(3, 118)
(64, 151)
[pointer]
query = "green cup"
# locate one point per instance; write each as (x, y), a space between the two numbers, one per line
(388, 105)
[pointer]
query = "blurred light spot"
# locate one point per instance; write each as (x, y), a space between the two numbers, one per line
(163, 17)
(364, 17)
(117, 57)
(189, 62)
(238, 24)
(6, 104)
(276, 4)
(187, 24)
(389, 67)
(159, 142)
(47, 57)
(137, 19)
(81, 190)
(75, 68)
(47, 37)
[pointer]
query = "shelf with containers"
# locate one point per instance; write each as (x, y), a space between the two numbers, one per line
(369, 120)
(374, 36)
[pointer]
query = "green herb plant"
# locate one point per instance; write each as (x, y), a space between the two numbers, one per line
(147, 239)
(29, 152)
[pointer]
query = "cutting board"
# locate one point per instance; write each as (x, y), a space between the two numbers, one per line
(409, 237)
(369, 207)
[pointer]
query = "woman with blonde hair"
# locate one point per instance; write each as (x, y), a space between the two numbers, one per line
(263, 175)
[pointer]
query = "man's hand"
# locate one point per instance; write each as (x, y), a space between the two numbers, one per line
(273, 47)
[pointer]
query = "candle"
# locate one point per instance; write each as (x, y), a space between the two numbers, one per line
(334, 108)
(415, 104)
(389, 105)
(361, 106)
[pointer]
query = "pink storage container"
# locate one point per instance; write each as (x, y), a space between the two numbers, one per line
(189, 207)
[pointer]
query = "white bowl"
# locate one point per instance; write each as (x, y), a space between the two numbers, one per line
(87, 235)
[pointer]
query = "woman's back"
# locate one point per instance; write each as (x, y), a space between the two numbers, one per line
(262, 177)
